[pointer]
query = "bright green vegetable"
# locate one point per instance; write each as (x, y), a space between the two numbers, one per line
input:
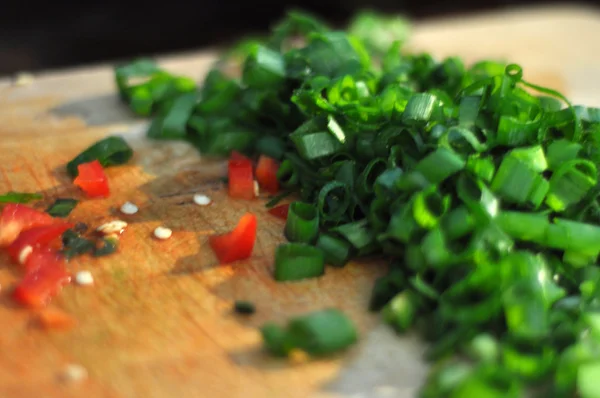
(302, 224)
(76, 245)
(296, 261)
(337, 251)
(109, 151)
(19, 197)
(317, 333)
(108, 245)
(479, 187)
(62, 207)
(275, 339)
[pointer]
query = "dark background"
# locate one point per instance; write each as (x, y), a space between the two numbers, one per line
(59, 33)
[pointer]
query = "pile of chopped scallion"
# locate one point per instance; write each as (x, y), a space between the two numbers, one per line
(480, 188)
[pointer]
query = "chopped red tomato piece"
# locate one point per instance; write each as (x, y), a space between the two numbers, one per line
(46, 275)
(237, 244)
(92, 179)
(35, 238)
(280, 211)
(16, 218)
(266, 174)
(241, 180)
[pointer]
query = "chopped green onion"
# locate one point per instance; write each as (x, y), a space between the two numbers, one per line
(296, 261)
(386, 287)
(480, 188)
(75, 245)
(360, 236)
(244, 307)
(400, 311)
(109, 245)
(275, 339)
(302, 224)
(264, 68)
(62, 207)
(570, 183)
(420, 108)
(109, 152)
(333, 201)
(440, 165)
(19, 197)
(173, 123)
(337, 251)
(322, 332)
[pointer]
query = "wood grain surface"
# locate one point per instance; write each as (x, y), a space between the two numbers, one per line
(158, 322)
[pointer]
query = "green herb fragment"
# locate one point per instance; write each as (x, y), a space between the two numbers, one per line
(302, 224)
(110, 151)
(337, 251)
(62, 207)
(296, 261)
(276, 340)
(75, 245)
(244, 307)
(318, 333)
(108, 245)
(19, 197)
(400, 311)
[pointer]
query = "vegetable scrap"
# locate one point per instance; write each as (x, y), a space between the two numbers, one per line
(36, 238)
(202, 200)
(318, 333)
(16, 218)
(92, 180)
(19, 197)
(62, 207)
(84, 278)
(73, 373)
(129, 208)
(280, 211)
(162, 233)
(112, 227)
(296, 261)
(244, 307)
(241, 180)
(237, 244)
(480, 187)
(107, 245)
(76, 245)
(108, 152)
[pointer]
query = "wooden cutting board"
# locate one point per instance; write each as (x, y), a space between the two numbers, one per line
(158, 321)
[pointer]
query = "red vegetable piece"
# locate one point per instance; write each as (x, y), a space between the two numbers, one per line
(37, 237)
(241, 180)
(46, 275)
(16, 218)
(266, 174)
(237, 244)
(280, 211)
(92, 179)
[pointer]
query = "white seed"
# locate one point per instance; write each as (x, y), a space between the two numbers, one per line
(112, 227)
(256, 188)
(23, 79)
(25, 252)
(129, 208)
(202, 200)
(84, 278)
(73, 373)
(162, 233)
